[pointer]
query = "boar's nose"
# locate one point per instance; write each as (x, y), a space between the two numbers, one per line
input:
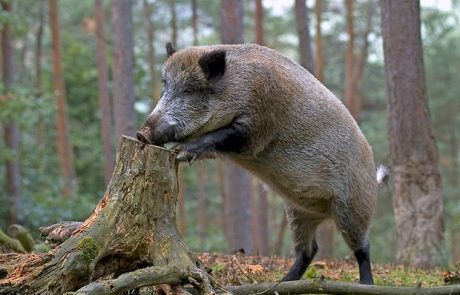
(143, 135)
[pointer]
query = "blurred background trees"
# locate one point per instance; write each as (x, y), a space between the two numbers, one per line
(111, 54)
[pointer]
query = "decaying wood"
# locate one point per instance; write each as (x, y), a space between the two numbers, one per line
(146, 277)
(338, 288)
(133, 227)
(59, 232)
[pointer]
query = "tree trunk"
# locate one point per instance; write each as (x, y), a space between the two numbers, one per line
(261, 195)
(259, 14)
(134, 226)
(319, 57)
(38, 75)
(361, 61)
(195, 23)
(202, 203)
(237, 188)
(262, 220)
(325, 231)
(104, 99)
(151, 58)
(418, 196)
(10, 130)
(325, 240)
(231, 17)
(181, 201)
(280, 235)
(64, 146)
(303, 30)
(122, 67)
(173, 22)
(236, 180)
(350, 95)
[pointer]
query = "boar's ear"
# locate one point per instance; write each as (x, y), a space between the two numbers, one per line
(213, 64)
(170, 49)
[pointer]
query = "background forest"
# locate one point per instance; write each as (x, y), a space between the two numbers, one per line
(343, 46)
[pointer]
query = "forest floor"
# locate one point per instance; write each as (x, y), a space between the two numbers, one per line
(241, 269)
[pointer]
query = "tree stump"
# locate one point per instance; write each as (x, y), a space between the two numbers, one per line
(132, 232)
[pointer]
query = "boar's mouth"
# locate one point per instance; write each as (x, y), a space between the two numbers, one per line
(169, 134)
(147, 136)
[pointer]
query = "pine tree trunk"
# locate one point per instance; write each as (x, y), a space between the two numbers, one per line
(38, 75)
(202, 220)
(173, 22)
(195, 22)
(350, 82)
(104, 99)
(319, 57)
(280, 236)
(181, 201)
(122, 52)
(303, 30)
(260, 195)
(262, 220)
(134, 226)
(64, 146)
(151, 58)
(10, 130)
(231, 17)
(236, 180)
(418, 196)
(259, 15)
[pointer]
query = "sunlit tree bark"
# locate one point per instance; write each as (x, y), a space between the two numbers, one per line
(104, 98)
(64, 145)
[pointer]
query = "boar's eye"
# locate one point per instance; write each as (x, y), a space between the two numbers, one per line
(188, 91)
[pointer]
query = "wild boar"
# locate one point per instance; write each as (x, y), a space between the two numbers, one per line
(261, 110)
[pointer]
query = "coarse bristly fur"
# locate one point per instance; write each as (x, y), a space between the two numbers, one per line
(258, 108)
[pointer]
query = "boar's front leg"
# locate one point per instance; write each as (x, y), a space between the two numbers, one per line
(228, 139)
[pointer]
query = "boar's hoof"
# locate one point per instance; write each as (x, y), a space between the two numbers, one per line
(187, 156)
(189, 153)
(141, 137)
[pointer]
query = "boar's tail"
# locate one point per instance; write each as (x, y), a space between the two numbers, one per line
(383, 173)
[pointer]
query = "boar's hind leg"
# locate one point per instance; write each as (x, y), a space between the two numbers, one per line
(303, 227)
(354, 227)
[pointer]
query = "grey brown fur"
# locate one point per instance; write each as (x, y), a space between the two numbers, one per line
(272, 117)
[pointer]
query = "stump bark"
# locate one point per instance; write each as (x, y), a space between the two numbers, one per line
(132, 227)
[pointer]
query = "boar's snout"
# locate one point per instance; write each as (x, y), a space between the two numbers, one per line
(157, 133)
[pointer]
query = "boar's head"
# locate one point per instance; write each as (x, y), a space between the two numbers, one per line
(196, 97)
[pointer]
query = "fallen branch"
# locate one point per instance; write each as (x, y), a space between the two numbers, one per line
(338, 288)
(144, 277)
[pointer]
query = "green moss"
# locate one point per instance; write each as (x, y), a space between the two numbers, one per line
(311, 273)
(89, 248)
(219, 267)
